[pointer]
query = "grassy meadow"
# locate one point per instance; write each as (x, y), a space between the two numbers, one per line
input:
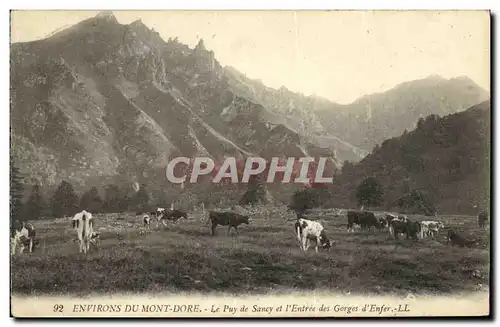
(264, 257)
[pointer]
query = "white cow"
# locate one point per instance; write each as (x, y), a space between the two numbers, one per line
(307, 231)
(430, 228)
(160, 213)
(24, 234)
(84, 225)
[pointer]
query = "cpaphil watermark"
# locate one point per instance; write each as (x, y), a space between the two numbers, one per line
(303, 170)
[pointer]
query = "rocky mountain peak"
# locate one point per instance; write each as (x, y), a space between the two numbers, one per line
(107, 15)
(200, 47)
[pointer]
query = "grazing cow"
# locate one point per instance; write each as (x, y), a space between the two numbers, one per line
(396, 227)
(174, 215)
(430, 228)
(307, 231)
(76, 221)
(23, 235)
(85, 229)
(457, 239)
(352, 218)
(482, 219)
(146, 219)
(365, 219)
(231, 219)
(410, 228)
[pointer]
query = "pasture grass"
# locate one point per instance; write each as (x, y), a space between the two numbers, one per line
(264, 257)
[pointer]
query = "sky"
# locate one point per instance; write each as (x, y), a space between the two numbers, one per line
(338, 55)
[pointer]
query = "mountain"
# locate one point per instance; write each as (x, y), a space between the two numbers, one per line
(354, 129)
(294, 110)
(374, 118)
(103, 102)
(445, 158)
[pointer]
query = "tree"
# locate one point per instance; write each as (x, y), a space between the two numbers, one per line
(16, 192)
(369, 192)
(305, 199)
(35, 206)
(91, 201)
(124, 198)
(64, 201)
(256, 192)
(141, 199)
(416, 202)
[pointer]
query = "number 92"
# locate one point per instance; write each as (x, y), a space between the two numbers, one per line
(58, 308)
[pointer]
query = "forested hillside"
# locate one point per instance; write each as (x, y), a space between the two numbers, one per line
(446, 159)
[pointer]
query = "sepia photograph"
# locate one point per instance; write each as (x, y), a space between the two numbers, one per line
(250, 163)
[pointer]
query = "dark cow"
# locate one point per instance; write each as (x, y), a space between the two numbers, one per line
(413, 229)
(410, 228)
(365, 219)
(174, 215)
(382, 223)
(457, 239)
(397, 227)
(482, 219)
(231, 219)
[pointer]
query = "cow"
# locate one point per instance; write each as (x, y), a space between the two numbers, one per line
(457, 239)
(413, 229)
(307, 231)
(365, 219)
(390, 217)
(396, 227)
(75, 221)
(482, 219)
(85, 229)
(154, 215)
(382, 222)
(410, 228)
(174, 215)
(23, 235)
(430, 228)
(146, 219)
(231, 219)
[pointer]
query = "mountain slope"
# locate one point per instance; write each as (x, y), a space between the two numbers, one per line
(103, 102)
(373, 118)
(356, 128)
(447, 158)
(295, 111)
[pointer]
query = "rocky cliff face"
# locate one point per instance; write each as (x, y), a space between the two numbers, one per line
(354, 129)
(104, 102)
